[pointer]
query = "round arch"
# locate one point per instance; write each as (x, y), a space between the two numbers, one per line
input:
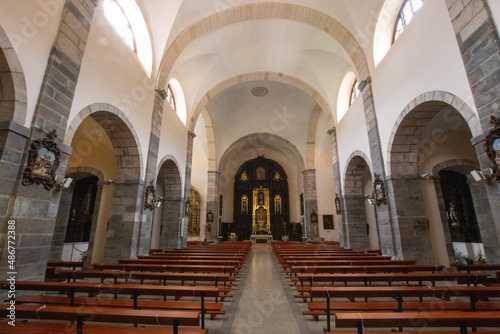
(121, 133)
(264, 10)
(13, 94)
(401, 133)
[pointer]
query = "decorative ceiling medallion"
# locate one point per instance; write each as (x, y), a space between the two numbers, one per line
(259, 91)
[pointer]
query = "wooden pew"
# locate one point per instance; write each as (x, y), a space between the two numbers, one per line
(317, 308)
(144, 275)
(135, 290)
(365, 269)
(50, 327)
(399, 292)
(234, 263)
(104, 314)
(167, 268)
(458, 319)
(478, 267)
(368, 279)
(212, 309)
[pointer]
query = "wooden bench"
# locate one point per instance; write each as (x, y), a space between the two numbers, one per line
(134, 290)
(235, 263)
(319, 308)
(144, 275)
(478, 267)
(170, 268)
(399, 292)
(104, 314)
(458, 319)
(50, 327)
(212, 309)
(365, 269)
(419, 277)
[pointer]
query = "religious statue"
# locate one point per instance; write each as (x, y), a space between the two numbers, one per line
(277, 204)
(261, 173)
(260, 198)
(277, 176)
(244, 204)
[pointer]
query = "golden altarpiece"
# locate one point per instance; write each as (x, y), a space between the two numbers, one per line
(261, 203)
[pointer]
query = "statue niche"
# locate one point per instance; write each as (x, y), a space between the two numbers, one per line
(261, 218)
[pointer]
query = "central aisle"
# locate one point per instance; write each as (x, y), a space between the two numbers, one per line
(264, 306)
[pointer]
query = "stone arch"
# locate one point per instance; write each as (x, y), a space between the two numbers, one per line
(357, 172)
(209, 128)
(126, 238)
(403, 142)
(120, 131)
(264, 10)
(170, 180)
(481, 206)
(13, 94)
(410, 228)
(76, 173)
(263, 75)
(311, 137)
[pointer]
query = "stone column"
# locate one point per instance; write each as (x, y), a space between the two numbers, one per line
(187, 187)
(479, 44)
(213, 204)
(340, 218)
(33, 208)
(310, 202)
(388, 232)
(355, 217)
(171, 224)
(123, 227)
(154, 144)
(405, 196)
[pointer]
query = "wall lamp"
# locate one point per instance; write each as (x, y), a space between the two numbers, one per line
(479, 176)
(108, 182)
(65, 183)
(370, 199)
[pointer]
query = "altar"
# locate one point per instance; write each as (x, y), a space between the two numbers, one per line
(267, 237)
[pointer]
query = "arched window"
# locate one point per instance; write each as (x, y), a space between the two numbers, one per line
(171, 98)
(406, 12)
(354, 92)
(175, 97)
(347, 94)
(128, 22)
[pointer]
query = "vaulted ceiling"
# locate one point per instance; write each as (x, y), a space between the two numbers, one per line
(213, 47)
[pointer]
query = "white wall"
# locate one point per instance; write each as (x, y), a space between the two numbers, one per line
(352, 135)
(424, 58)
(325, 184)
(31, 27)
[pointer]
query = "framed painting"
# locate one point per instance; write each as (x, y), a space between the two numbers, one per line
(492, 142)
(43, 161)
(328, 222)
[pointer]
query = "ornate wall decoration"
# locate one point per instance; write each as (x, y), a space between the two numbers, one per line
(338, 209)
(492, 142)
(244, 176)
(149, 198)
(260, 174)
(379, 190)
(194, 209)
(244, 204)
(277, 204)
(43, 161)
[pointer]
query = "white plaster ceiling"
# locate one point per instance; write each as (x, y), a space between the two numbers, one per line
(295, 49)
